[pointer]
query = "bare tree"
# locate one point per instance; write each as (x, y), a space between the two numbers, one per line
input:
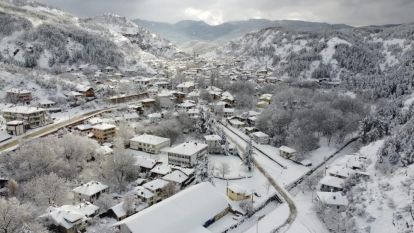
(119, 168)
(223, 169)
(46, 190)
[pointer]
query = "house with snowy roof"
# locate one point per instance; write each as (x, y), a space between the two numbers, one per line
(19, 96)
(159, 188)
(287, 152)
(177, 177)
(331, 184)
(32, 117)
(186, 87)
(145, 164)
(238, 193)
(90, 191)
(104, 132)
(149, 143)
(186, 154)
(189, 211)
(260, 137)
(161, 169)
(332, 199)
(86, 91)
(71, 218)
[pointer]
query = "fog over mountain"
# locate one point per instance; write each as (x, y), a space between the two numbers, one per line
(187, 30)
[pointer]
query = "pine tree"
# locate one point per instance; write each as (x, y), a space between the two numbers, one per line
(248, 155)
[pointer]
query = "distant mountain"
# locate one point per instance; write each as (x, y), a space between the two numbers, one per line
(189, 30)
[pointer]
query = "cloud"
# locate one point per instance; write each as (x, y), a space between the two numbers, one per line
(210, 17)
(354, 12)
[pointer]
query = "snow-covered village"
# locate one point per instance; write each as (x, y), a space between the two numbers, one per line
(206, 117)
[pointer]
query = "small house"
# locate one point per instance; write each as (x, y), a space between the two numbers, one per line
(287, 152)
(90, 191)
(260, 137)
(331, 184)
(237, 193)
(332, 199)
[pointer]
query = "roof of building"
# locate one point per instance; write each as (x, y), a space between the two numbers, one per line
(188, 148)
(193, 206)
(287, 149)
(68, 216)
(332, 198)
(259, 134)
(185, 85)
(156, 184)
(104, 126)
(149, 139)
(162, 169)
(145, 162)
(142, 192)
(213, 137)
(239, 189)
(176, 176)
(90, 188)
(18, 91)
(120, 212)
(332, 181)
(23, 109)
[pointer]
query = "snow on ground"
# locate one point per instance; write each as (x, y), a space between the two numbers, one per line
(328, 52)
(270, 221)
(385, 195)
(306, 221)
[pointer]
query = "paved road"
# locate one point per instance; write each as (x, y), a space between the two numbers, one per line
(282, 190)
(50, 129)
(284, 194)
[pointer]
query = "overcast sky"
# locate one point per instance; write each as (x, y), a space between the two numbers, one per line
(353, 12)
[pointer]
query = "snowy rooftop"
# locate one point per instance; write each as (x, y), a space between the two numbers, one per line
(332, 198)
(155, 185)
(185, 85)
(176, 176)
(23, 109)
(149, 139)
(145, 162)
(213, 137)
(193, 206)
(332, 181)
(18, 91)
(239, 189)
(104, 126)
(259, 134)
(287, 149)
(90, 188)
(142, 192)
(188, 148)
(162, 169)
(68, 216)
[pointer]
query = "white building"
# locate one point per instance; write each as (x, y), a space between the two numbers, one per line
(149, 143)
(260, 137)
(213, 142)
(90, 191)
(189, 211)
(186, 154)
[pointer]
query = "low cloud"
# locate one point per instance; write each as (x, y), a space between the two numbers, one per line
(353, 12)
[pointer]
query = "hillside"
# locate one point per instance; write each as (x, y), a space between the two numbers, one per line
(35, 35)
(325, 54)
